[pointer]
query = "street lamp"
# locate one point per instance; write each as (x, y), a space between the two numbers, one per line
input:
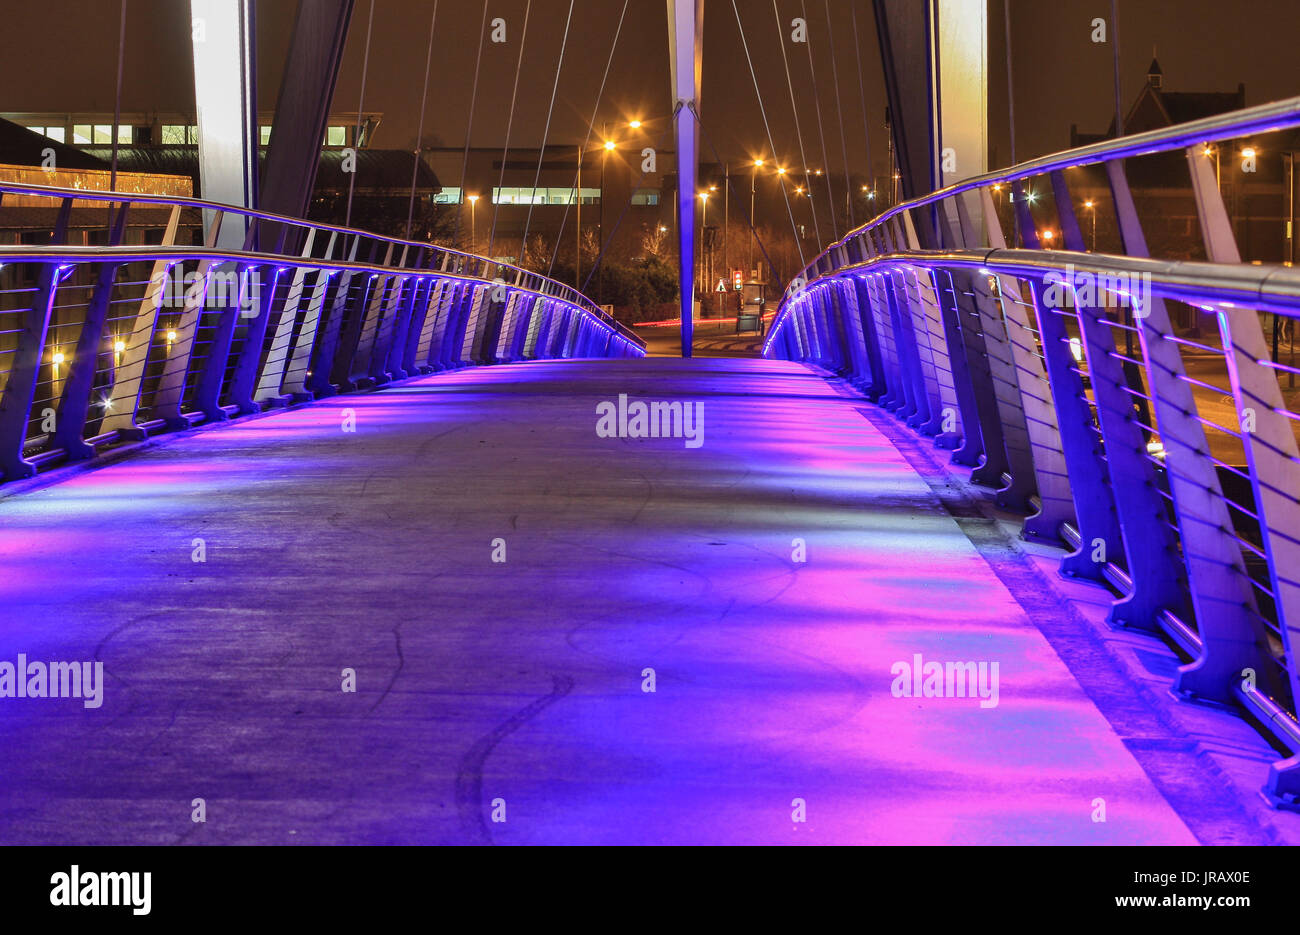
(1092, 206)
(753, 224)
(635, 124)
(473, 203)
(600, 226)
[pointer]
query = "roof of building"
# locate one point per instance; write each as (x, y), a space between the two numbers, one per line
(20, 146)
(1155, 107)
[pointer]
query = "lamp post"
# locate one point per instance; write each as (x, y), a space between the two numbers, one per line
(753, 224)
(704, 226)
(600, 227)
(1092, 206)
(473, 238)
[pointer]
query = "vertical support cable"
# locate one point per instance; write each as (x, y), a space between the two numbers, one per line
(794, 228)
(577, 178)
(821, 132)
(798, 131)
(419, 133)
(469, 124)
(117, 101)
(356, 139)
(510, 122)
(839, 110)
(546, 133)
(862, 92)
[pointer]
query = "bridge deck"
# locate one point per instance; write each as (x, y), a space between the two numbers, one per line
(522, 680)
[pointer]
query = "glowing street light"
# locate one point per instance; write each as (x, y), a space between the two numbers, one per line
(609, 145)
(473, 203)
(1092, 206)
(635, 124)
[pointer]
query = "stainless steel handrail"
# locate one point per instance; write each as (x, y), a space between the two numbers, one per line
(200, 204)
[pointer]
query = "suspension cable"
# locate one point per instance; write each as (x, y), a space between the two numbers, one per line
(862, 93)
(117, 102)
(361, 102)
(821, 130)
(546, 133)
(618, 31)
(510, 122)
(798, 131)
(1114, 46)
(469, 123)
(794, 228)
(419, 133)
(839, 110)
(1011, 112)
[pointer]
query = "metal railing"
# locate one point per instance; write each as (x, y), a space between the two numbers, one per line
(103, 341)
(1132, 407)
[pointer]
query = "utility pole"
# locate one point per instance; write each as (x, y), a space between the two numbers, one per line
(726, 218)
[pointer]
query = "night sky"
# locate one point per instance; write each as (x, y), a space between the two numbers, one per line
(67, 63)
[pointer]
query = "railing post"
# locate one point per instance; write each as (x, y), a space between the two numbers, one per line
(1222, 599)
(528, 341)
(1270, 445)
(844, 297)
(1149, 548)
(128, 373)
(362, 373)
(385, 333)
(272, 378)
(429, 355)
(25, 366)
(74, 405)
(891, 370)
(170, 395)
(911, 399)
(250, 350)
(1055, 504)
(471, 332)
(322, 357)
(1004, 380)
(400, 343)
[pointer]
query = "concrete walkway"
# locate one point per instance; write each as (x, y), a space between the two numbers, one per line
(522, 681)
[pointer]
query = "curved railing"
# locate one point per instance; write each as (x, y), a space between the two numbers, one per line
(1143, 412)
(103, 340)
